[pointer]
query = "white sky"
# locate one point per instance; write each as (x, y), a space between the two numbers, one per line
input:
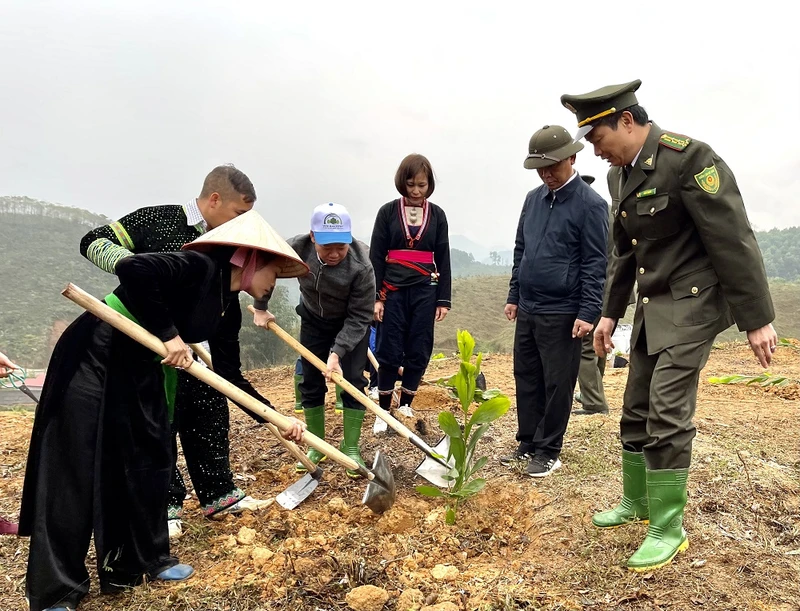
(111, 106)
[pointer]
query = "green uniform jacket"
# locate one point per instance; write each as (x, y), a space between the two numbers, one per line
(681, 232)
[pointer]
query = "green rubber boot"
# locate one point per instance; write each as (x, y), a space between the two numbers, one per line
(353, 419)
(633, 506)
(666, 495)
(339, 405)
(298, 399)
(315, 423)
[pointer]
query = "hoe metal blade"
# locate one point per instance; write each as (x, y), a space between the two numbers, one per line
(380, 493)
(300, 490)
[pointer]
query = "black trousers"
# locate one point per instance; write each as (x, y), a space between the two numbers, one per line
(202, 420)
(405, 338)
(318, 335)
(546, 362)
(99, 463)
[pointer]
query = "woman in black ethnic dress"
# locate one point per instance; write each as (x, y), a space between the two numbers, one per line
(410, 252)
(100, 453)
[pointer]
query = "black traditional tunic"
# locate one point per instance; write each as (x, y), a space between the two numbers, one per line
(100, 456)
(201, 412)
(392, 233)
(412, 278)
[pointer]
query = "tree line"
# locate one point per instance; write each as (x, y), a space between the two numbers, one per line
(39, 255)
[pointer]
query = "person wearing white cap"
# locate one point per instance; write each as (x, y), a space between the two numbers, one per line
(100, 454)
(335, 312)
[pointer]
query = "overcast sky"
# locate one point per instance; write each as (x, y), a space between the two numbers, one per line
(111, 106)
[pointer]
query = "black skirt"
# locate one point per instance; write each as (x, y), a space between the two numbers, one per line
(99, 463)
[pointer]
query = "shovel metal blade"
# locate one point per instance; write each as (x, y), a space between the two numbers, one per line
(299, 491)
(434, 471)
(381, 492)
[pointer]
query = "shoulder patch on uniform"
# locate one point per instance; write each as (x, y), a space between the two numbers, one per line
(676, 142)
(708, 179)
(646, 193)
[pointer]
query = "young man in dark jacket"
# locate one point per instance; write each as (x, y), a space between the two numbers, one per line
(336, 310)
(555, 294)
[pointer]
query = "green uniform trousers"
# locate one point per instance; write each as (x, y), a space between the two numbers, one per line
(660, 400)
(590, 377)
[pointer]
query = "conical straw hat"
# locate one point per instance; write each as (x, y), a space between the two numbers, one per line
(252, 231)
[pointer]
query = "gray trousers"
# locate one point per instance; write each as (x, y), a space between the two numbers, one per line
(660, 401)
(590, 377)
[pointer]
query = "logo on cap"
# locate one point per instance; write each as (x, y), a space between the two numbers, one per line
(333, 220)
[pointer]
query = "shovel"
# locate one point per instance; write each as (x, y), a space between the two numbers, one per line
(301, 489)
(380, 493)
(436, 467)
(429, 469)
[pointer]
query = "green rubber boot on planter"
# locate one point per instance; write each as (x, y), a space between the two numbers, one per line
(633, 506)
(339, 405)
(353, 419)
(298, 399)
(315, 423)
(666, 495)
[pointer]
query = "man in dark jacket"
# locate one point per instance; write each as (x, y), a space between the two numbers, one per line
(555, 294)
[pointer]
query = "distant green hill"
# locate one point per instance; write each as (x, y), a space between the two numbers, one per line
(463, 265)
(781, 251)
(478, 307)
(39, 255)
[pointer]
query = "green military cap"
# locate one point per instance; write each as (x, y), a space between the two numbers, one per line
(589, 107)
(587, 179)
(550, 145)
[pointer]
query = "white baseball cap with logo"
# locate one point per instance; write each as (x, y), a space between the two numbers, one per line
(331, 225)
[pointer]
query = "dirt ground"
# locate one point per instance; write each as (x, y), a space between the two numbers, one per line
(520, 544)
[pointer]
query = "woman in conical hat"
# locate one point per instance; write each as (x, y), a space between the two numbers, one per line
(100, 452)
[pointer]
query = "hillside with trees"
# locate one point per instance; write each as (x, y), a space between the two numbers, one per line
(781, 250)
(39, 256)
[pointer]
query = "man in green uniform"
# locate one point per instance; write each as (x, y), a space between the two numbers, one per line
(681, 232)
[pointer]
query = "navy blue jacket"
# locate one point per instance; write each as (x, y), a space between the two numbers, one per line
(560, 252)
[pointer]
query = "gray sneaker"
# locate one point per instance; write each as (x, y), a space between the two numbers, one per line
(517, 457)
(585, 411)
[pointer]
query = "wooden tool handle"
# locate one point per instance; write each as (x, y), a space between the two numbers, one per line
(373, 360)
(351, 390)
(234, 393)
(289, 445)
